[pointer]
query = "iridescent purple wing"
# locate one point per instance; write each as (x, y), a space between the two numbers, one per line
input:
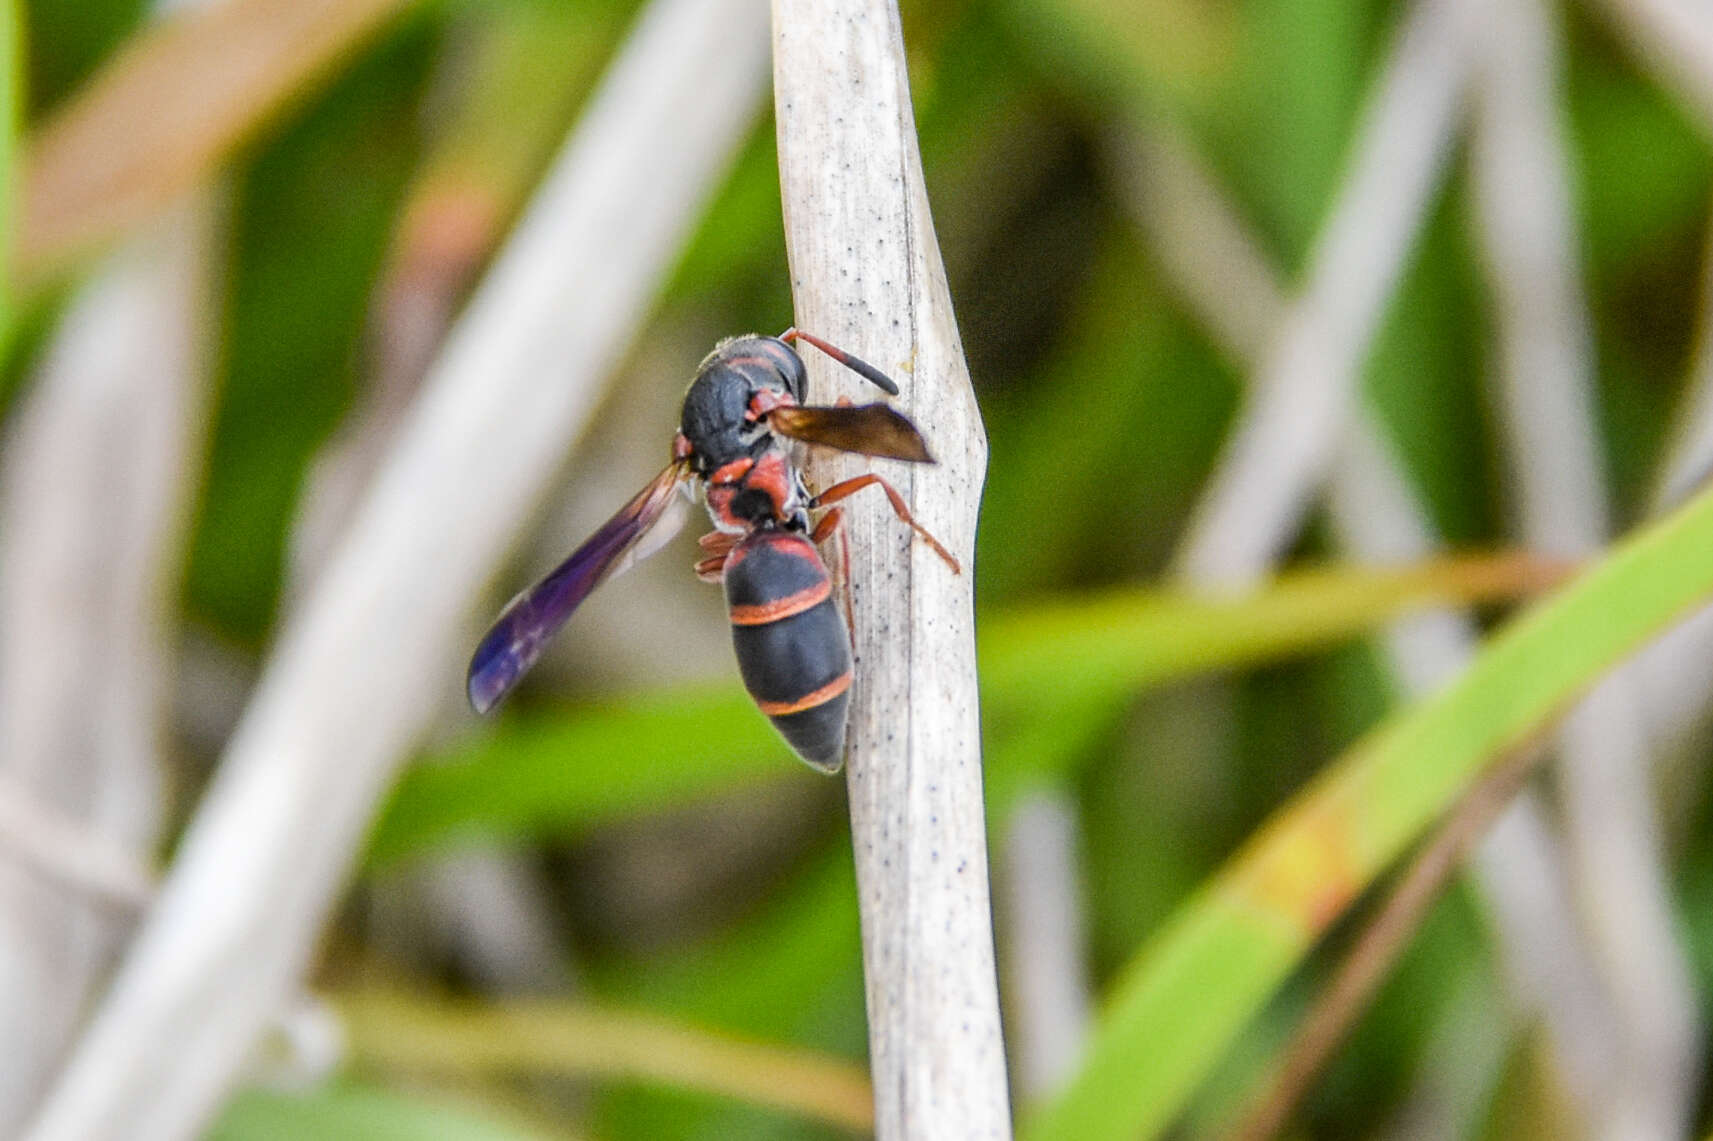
(518, 635)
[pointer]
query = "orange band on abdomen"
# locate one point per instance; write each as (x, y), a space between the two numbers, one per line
(761, 613)
(809, 700)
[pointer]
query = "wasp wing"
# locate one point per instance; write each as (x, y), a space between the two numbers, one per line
(518, 635)
(872, 429)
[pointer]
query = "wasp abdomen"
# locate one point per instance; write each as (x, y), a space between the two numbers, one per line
(790, 639)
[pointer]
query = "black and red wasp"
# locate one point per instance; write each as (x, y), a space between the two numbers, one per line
(792, 646)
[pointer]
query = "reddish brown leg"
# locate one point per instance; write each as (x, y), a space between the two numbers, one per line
(718, 544)
(828, 524)
(850, 486)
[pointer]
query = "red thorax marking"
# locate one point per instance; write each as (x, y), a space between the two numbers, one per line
(771, 476)
(720, 498)
(768, 475)
(766, 400)
(732, 472)
(782, 542)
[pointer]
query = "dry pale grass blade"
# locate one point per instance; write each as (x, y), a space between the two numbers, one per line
(492, 915)
(1302, 397)
(373, 651)
(159, 118)
(867, 275)
(1675, 39)
(1209, 256)
(1377, 517)
(1527, 233)
(99, 470)
(68, 853)
(1521, 185)
(1044, 951)
(504, 87)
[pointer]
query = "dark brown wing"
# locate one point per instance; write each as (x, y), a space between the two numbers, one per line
(517, 636)
(872, 429)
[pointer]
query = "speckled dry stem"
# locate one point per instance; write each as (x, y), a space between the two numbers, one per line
(867, 275)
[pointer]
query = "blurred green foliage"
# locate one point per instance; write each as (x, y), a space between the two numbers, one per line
(1177, 1007)
(312, 216)
(65, 42)
(356, 1112)
(1106, 404)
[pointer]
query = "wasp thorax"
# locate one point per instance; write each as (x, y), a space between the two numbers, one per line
(717, 418)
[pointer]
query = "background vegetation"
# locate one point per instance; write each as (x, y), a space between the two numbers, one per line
(620, 909)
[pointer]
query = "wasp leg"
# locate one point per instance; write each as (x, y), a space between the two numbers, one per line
(718, 544)
(850, 486)
(829, 523)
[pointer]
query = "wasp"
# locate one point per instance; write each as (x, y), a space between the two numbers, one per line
(740, 413)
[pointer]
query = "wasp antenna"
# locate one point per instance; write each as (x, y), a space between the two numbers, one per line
(856, 364)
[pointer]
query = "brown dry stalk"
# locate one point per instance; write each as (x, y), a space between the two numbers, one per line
(158, 118)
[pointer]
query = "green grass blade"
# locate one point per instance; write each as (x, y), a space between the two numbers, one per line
(354, 1113)
(539, 773)
(1183, 1000)
(557, 772)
